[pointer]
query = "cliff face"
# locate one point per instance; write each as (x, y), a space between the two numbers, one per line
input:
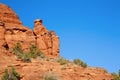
(12, 31)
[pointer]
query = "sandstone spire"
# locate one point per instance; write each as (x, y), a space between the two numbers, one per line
(47, 41)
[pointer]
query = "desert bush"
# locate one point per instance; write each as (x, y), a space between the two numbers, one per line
(80, 63)
(33, 52)
(63, 67)
(119, 73)
(116, 76)
(26, 57)
(62, 60)
(17, 50)
(5, 75)
(50, 76)
(12, 75)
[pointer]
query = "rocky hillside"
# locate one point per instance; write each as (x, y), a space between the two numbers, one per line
(13, 31)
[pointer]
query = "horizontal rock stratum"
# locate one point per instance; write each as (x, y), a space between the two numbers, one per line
(12, 31)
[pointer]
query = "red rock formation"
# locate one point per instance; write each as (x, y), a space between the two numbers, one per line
(8, 16)
(47, 41)
(12, 31)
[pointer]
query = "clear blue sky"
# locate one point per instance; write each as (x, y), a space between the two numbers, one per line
(88, 29)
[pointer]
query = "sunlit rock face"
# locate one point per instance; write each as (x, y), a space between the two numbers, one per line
(13, 31)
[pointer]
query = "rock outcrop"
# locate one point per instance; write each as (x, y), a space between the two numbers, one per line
(47, 41)
(12, 31)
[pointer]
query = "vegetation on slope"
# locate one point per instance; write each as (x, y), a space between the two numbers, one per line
(33, 52)
(116, 76)
(11, 75)
(80, 63)
(50, 76)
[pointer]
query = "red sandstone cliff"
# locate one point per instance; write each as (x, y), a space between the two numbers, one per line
(12, 31)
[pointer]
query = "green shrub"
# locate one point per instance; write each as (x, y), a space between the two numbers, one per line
(62, 60)
(116, 76)
(5, 75)
(33, 52)
(26, 58)
(17, 50)
(12, 75)
(80, 63)
(119, 73)
(63, 68)
(50, 76)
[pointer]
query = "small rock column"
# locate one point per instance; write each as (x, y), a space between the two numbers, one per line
(43, 38)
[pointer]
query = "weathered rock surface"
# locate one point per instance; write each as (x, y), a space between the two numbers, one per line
(8, 16)
(12, 31)
(2, 32)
